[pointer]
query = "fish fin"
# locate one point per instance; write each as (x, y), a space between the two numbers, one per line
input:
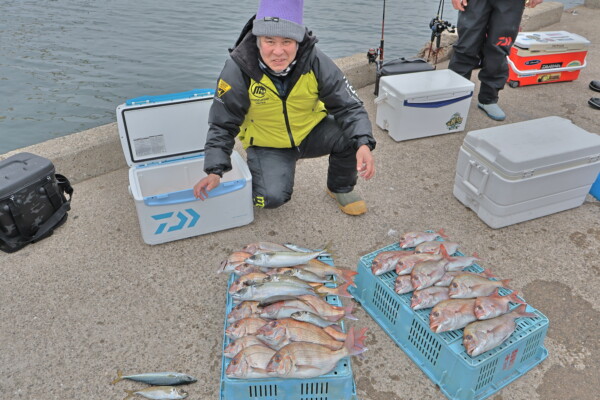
(496, 293)
(442, 233)
(515, 299)
(342, 291)
(130, 394)
(337, 328)
(505, 283)
(355, 342)
(520, 311)
(222, 267)
(488, 273)
(476, 255)
(444, 252)
(348, 312)
(119, 377)
(348, 276)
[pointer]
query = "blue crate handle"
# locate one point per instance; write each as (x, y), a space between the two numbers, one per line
(437, 104)
(170, 97)
(187, 195)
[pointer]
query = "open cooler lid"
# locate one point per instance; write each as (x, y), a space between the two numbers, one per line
(166, 127)
(530, 147)
(442, 84)
(554, 41)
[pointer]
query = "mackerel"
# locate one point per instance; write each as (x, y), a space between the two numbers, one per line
(157, 378)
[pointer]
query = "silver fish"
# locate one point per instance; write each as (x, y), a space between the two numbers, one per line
(158, 393)
(307, 276)
(157, 378)
(270, 292)
(275, 259)
(314, 319)
(261, 247)
(300, 249)
(482, 336)
(433, 247)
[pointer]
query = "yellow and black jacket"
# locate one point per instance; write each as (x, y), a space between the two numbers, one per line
(248, 104)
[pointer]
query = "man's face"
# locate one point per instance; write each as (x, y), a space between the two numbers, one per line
(277, 52)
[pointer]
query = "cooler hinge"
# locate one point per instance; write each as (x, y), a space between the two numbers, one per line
(528, 173)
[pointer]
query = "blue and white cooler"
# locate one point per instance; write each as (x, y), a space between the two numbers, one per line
(423, 104)
(163, 141)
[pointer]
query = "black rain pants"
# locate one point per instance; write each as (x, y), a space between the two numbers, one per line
(486, 31)
(273, 169)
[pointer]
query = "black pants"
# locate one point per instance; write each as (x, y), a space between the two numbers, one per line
(273, 169)
(486, 31)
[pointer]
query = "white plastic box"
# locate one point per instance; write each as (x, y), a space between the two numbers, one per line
(517, 172)
(423, 104)
(163, 139)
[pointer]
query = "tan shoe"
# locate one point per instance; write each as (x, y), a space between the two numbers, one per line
(350, 203)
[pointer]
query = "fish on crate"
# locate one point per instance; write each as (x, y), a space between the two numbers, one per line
(158, 393)
(240, 344)
(427, 273)
(428, 297)
(234, 260)
(406, 264)
(323, 269)
(310, 303)
(433, 247)
(403, 284)
(278, 333)
(309, 360)
(244, 280)
(446, 280)
(482, 336)
(452, 314)
(263, 247)
(251, 363)
(245, 326)
(319, 288)
(301, 249)
(308, 276)
(466, 286)
(387, 261)
(275, 259)
(458, 263)
(307, 316)
(494, 305)
(412, 239)
(157, 378)
(270, 292)
(244, 309)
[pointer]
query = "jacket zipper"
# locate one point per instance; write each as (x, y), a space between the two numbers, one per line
(285, 117)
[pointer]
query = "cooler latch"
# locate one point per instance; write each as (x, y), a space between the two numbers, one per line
(528, 173)
(594, 159)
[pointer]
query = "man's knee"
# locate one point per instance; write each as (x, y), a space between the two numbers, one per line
(272, 200)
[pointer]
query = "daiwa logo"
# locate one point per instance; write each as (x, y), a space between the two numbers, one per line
(178, 223)
(532, 62)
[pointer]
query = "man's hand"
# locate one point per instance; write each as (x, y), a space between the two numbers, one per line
(365, 165)
(205, 185)
(532, 3)
(460, 4)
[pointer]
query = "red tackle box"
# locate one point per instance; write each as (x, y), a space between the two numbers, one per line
(545, 57)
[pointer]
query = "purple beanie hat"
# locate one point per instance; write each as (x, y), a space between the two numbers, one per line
(280, 18)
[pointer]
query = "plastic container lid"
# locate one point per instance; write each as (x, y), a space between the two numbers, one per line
(427, 85)
(554, 41)
(165, 127)
(544, 143)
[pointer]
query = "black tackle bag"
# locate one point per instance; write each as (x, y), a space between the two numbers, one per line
(401, 66)
(32, 200)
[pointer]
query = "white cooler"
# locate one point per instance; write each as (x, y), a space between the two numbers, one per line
(163, 139)
(423, 104)
(516, 172)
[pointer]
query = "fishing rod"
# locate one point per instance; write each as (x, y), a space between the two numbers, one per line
(373, 53)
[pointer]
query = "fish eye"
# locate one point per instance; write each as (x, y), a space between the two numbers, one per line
(454, 285)
(234, 361)
(469, 337)
(479, 308)
(436, 314)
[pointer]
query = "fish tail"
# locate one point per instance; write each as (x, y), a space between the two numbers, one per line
(514, 298)
(348, 312)
(444, 252)
(348, 276)
(505, 283)
(130, 394)
(488, 273)
(222, 266)
(476, 255)
(520, 311)
(342, 291)
(119, 377)
(355, 343)
(442, 233)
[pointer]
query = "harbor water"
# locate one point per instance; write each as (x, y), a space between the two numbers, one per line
(65, 65)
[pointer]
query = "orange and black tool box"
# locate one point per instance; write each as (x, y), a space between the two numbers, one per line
(545, 57)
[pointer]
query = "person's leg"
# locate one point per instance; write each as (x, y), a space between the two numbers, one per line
(471, 27)
(272, 175)
(327, 138)
(503, 27)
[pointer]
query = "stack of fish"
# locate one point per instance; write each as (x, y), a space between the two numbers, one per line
(282, 326)
(162, 385)
(458, 298)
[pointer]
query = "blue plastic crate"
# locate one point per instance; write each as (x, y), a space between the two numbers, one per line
(442, 356)
(338, 384)
(595, 189)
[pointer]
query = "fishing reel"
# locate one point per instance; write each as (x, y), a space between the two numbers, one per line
(372, 55)
(438, 26)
